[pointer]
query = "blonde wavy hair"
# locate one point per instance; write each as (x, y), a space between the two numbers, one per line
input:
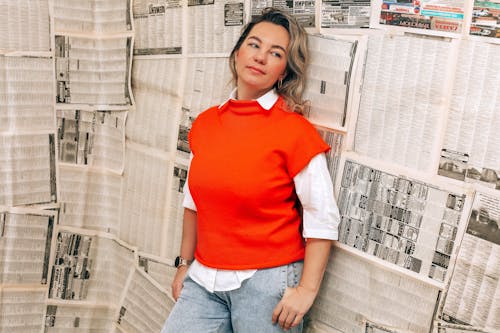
(292, 87)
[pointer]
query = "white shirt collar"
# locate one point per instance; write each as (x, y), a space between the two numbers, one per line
(266, 101)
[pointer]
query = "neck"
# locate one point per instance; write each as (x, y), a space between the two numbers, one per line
(245, 93)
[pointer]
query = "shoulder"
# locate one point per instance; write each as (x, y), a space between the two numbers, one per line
(206, 116)
(293, 120)
(210, 112)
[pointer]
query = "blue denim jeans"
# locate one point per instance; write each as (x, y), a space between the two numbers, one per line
(248, 309)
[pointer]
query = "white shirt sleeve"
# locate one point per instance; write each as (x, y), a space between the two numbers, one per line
(314, 188)
(188, 201)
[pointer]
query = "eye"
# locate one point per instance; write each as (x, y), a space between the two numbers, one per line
(254, 45)
(276, 54)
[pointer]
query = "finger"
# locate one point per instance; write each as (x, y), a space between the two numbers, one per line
(283, 317)
(276, 312)
(176, 291)
(298, 319)
(289, 320)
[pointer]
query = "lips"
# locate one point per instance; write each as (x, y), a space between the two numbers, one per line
(256, 70)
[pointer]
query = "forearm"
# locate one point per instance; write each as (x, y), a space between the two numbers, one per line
(188, 243)
(315, 261)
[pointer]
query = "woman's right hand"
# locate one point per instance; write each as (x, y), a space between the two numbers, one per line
(178, 281)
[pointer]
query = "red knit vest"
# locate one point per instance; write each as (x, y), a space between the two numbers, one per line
(241, 180)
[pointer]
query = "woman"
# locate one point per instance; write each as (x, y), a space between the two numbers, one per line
(257, 266)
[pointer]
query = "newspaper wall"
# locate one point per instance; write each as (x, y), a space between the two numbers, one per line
(334, 139)
(471, 147)
(214, 26)
(91, 175)
(83, 78)
(70, 318)
(145, 194)
(158, 27)
(485, 19)
(24, 25)
(436, 15)
(26, 100)
(90, 199)
(329, 80)
(22, 309)
(27, 169)
(145, 306)
(355, 291)
(93, 138)
(402, 221)
(158, 98)
(473, 298)
(402, 100)
(303, 10)
(97, 16)
(345, 14)
(25, 244)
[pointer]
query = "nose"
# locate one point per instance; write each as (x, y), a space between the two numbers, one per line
(260, 56)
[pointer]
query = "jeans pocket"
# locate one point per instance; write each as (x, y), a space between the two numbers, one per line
(290, 275)
(294, 273)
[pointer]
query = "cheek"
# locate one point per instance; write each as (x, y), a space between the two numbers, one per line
(239, 55)
(280, 67)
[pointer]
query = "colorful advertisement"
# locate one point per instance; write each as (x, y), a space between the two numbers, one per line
(486, 19)
(438, 15)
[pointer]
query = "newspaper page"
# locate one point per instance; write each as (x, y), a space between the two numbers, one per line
(485, 19)
(473, 297)
(92, 138)
(157, 93)
(334, 140)
(329, 79)
(93, 71)
(90, 199)
(402, 100)
(175, 218)
(26, 100)
(355, 291)
(456, 328)
(87, 267)
(471, 147)
(213, 26)
(400, 220)
(25, 241)
(27, 169)
(159, 271)
(145, 307)
(96, 16)
(345, 13)
(70, 318)
(201, 91)
(303, 10)
(375, 328)
(314, 326)
(24, 25)
(437, 15)
(144, 199)
(22, 310)
(158, 27)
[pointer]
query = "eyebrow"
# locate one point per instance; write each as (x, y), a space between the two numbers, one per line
(272, 46)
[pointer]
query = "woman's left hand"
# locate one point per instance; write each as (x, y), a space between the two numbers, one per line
(293, 306)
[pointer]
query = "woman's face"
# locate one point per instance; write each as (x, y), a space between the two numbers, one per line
(261, 59)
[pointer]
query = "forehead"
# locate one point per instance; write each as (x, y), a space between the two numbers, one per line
(270, 33)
